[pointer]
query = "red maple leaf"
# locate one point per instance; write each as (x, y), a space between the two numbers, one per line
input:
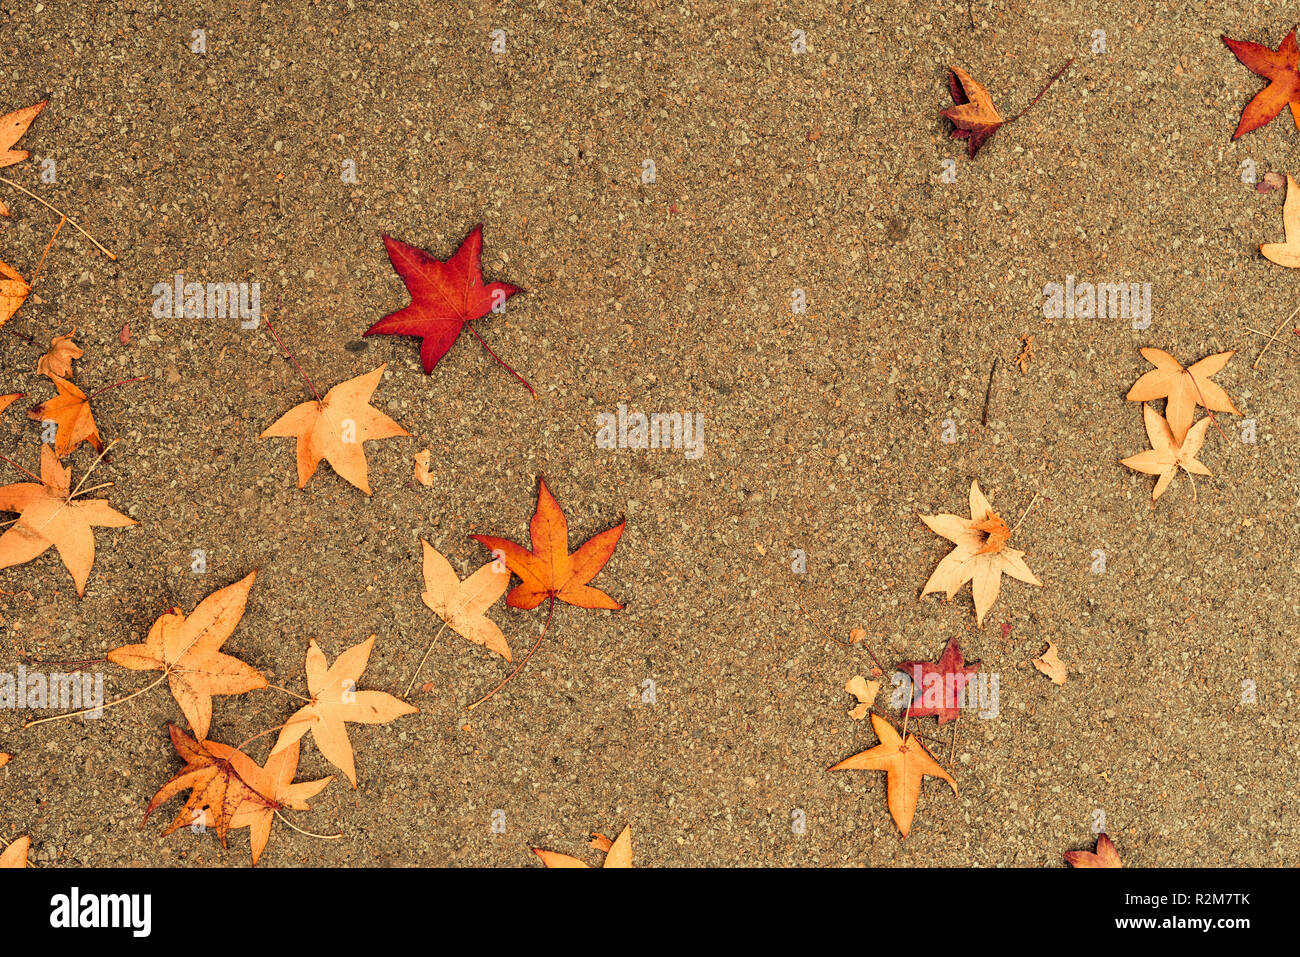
(1279, 66)
(940, 687)
(445, 297)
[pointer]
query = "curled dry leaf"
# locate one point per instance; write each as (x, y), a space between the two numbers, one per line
(422, 473)
(70, 412)
(1164, 458)
(336, 700)
(549, 570)
(187, 650)
(335, 428)
(216, 790)
(981, 555)
(14, 291)
(1184, 389)
(1051, 665)
(865, 691)
(15, 855)
(905, 763)
(58, 361)
(48, 516)
(461, 604)
(1105, 856)
(618, 852)
(974, 117)
(1287, 253)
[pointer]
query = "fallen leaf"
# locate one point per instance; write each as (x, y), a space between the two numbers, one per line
(1279, 67)
(1270, 182)
(125, 335)
(856, 635)
(15, 855)
(70, 411)
(1106, 856)
(422, 473)
(13, 291)
(618, 853)
(981, 555)
(49, 516)
(1026, 354)
(1164, 458)
(1051, 665)
(974, 115)
(905, 764)
(1184, 389)
(5, 758)
(58, 361)
(549, 570)
(445, 296)
(461, 604)
(275, 790)
(865, 691)
(335, 428)
(187, 651)
(10, 399)
(216, 789)
(940, 688)
(1287, 253)
(335, 700)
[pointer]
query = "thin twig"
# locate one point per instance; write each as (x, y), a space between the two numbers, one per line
(23, 189)
(988, 392)
(1276, 333)
(549, 612)
(32, 282)
(470, 325)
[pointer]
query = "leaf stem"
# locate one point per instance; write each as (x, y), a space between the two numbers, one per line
(471, 328)
(550, 611)
(23, 189)
(323, 837)
(139, 378)
(1056, 76)
(103, 707)
(294, 361)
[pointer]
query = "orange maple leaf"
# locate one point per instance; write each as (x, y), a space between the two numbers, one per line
(550, 570)
(905, 764)
(618, 852)
(334, 428)
(1184, 389)
(58, 361)
(15, 855)
(49, 516)
(70, 411)
(14, 290)
(216, 789)
(274, 790)
(187, 651)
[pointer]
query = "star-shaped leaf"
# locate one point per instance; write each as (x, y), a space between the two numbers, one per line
(981, 555)
(974, 115)
(70, 411)
(1164, 458)
(275, 791)
(939, 689)
(461, 604)
(444, 295)
(187, 650)
(618, 852)
(549, 570)
(335, 700)
(1184, 388)
(334, 429)
(905, 764)
(1279, 67)
(14, 290)
(12, 127)
(50, 516)
(217, 790)
(1106, 855)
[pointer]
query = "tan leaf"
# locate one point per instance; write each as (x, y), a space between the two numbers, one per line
(865, 691)
(13, 291)
(1287, 253)
(1163, 458)
(336, 700)
(187, 650)
(1184, 389)
(58, 361)
(336, 428)
(1051, 665)
(15, 855)
(461, 604)
(422, 473)
(981, 555)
